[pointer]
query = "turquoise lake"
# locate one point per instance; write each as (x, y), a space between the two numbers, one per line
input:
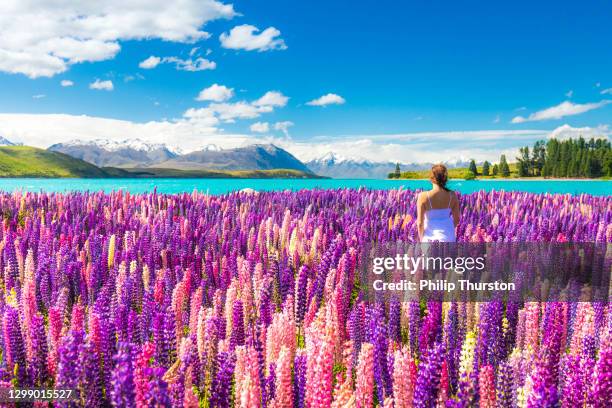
(220, 186)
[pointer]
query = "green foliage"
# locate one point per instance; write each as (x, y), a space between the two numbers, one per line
(472, 168)
(570, 158)
(486, 168)
(504, 169)
(398, 171)
(495, 170)
(469, 175)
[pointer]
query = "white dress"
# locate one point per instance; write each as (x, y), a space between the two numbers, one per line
(439, 225)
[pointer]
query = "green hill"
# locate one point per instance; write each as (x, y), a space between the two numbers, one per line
(26, 161)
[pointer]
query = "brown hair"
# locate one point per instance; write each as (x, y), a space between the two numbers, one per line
(439, 175)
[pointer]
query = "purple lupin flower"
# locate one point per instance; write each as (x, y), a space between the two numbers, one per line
(221, 390)
(505, 386)
(299, 386)
(378, 337)
(574, 389)
(414, 324)
(14, 345)
(300, 294)
(157, 395)
(428, 379)
(38, 364)
(544, 392)
(91, 380)
(431, 329)
(601, 390)
(69, 367)
(237, 335)
(394, 320)
(122, 377)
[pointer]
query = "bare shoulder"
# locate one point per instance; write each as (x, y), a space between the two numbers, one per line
(454, 198)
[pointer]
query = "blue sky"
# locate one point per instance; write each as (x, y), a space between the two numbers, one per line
(409, 79)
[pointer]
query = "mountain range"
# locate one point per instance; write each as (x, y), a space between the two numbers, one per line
(337, 166)
(139, 154)
(134, 155)
(106, 153)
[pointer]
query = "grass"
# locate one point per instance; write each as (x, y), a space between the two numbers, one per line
(26, 161)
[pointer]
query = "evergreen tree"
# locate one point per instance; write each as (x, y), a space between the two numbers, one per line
(495, 169)
(567, 158)
(524, 162)
(398, 172)
(485, 168)
(503, 166)
(473, 169)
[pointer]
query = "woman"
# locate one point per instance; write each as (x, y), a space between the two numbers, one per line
(437, 209)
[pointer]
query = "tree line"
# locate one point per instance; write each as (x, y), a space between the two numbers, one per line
(566, 158)
(553, 158)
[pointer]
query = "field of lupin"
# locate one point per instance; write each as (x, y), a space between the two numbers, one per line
(252, 300)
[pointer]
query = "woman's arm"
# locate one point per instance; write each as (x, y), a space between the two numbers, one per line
(420, 220)
(455, 209)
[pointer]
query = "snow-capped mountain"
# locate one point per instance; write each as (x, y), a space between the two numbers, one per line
(338, 166)
(110, 153)
(250, 157)
(5, 142)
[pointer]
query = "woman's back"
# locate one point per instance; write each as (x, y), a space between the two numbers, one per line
(437, 209)
(439, 225)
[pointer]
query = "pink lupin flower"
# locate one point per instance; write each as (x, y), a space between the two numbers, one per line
(246, 376)
(281, 333)
(532, 325)
(486, 382)
(284, 383)
(194, 310)
(320, 352)
(77, 322)
(584, 325)
(141, 376)
(364, 391)
(444, 383)
(404, 378)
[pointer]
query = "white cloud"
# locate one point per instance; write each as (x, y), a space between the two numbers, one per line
(566, 108)
(272, 98)
(38, 96)
(246, 37)
(200, 127)
(283, 127)
(198, 64)
(66, 82)
(328, 99)
(43, 38)
(260, 127)
(607, 91)
(215, 93)
(150, 62)
(567, 132)
(102, 85)
(193, 65)
(229, 112)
